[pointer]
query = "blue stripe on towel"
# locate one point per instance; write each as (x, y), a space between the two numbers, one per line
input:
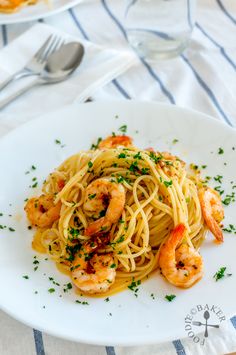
(122, 90)
(84, 34)
(207, 90)
(147, 66)
(190, 22)
(4, 35)
(179, 347)
(71, 11)
(233, 321)
(38, 340)
(222, 50)
(226, 12)
(110, 350)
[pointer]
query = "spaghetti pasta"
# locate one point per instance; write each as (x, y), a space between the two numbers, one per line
(158, 193)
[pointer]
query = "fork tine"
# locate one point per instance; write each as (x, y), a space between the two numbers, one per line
(52, 47)
(41, 50)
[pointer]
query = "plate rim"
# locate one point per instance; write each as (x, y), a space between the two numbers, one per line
(204, 116)
(28, 18)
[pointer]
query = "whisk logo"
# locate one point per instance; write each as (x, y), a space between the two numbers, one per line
(200, 319)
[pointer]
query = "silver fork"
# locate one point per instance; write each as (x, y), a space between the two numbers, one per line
(37, 62)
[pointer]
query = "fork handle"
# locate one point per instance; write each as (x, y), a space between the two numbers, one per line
(20, 74)
(12, 97)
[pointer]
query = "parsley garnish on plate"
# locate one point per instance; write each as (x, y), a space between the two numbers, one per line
(220, 151)
(220, 274)
(169, 298)
(84, 303)
(95, 146)
(230, 229)
(123, 128)
(51, 290)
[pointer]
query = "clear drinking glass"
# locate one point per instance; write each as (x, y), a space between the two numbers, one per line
(159, 28)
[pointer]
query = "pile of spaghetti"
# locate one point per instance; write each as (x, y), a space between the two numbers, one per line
(10, 6)
(111, 215)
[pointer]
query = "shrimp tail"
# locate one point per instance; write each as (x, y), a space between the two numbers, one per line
(216, 231)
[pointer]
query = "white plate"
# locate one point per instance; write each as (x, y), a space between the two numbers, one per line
(40, 10)
(134, 321)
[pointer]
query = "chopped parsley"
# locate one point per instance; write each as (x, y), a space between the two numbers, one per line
(72, 250)
(144, 171)
(230, 229)
(123, 128)
(170, 298)
(102, 213)
(194, 166)
(218, 189)
(113, 266)
(1, 214)
(33, 167)
(218, 178)
(138, 156)
(134, 286)
(220, 151)
(51, 290)
(175, 141)
(168, 183)
(220, 274)
(204, 166)
(74, 232)
(107, 299)
(152, 295)
(121, 239)
(84, 303)
(133, 167)
(95, 146)
(90, 164)
(34, 185)
(11, 229)
(122, 156)
(57, 141)
(120, 179)
(91, 196)
(229, 199)
(67, 287)
(154, 157)
(25, 277)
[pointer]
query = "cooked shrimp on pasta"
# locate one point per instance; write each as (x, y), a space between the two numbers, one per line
(112, 215)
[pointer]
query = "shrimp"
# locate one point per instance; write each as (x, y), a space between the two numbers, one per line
(95, 274)
(103, 196)
(212, 210)
(41, 211)
(182, 267)
(116, 141)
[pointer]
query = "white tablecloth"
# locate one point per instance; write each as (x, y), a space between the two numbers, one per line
(203, 78)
